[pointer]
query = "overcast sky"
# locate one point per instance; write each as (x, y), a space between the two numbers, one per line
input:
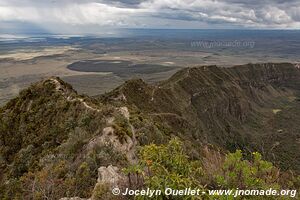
(92, 16)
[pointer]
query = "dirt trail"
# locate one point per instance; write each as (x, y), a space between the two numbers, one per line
(129, 147)
(160, 114)
(60, 89)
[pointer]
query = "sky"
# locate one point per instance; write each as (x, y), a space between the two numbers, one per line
(98, 16)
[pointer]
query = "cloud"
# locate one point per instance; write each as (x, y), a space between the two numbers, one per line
(268, 14)
(152, 13)
(73, 14)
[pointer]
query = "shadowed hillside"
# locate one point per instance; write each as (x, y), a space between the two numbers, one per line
(230, 107)
(56, 143)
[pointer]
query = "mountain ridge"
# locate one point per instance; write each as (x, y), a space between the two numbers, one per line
(216, 104)
(225, 108)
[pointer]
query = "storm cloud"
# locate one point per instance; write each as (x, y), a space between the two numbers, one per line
(59, 15)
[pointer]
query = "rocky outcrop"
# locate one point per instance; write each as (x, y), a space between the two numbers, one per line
(111, 176)
(109, 137)
(228, 107)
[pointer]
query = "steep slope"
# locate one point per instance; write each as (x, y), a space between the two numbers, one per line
(51, 136)
(54, 141)
(229, 107)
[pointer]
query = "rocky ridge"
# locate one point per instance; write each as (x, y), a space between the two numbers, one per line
(49, 127)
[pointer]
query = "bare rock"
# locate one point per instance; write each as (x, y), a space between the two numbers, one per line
(111, 175)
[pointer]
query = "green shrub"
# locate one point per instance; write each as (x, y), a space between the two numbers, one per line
(167, 166)
(122, 128)
(243, 174)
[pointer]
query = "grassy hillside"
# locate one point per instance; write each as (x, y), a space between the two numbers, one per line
(56, 143)
(50, 133)
(228, 107)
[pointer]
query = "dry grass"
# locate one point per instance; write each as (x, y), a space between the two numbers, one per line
(212, 161)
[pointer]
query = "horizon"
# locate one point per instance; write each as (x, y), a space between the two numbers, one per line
(122, 32)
